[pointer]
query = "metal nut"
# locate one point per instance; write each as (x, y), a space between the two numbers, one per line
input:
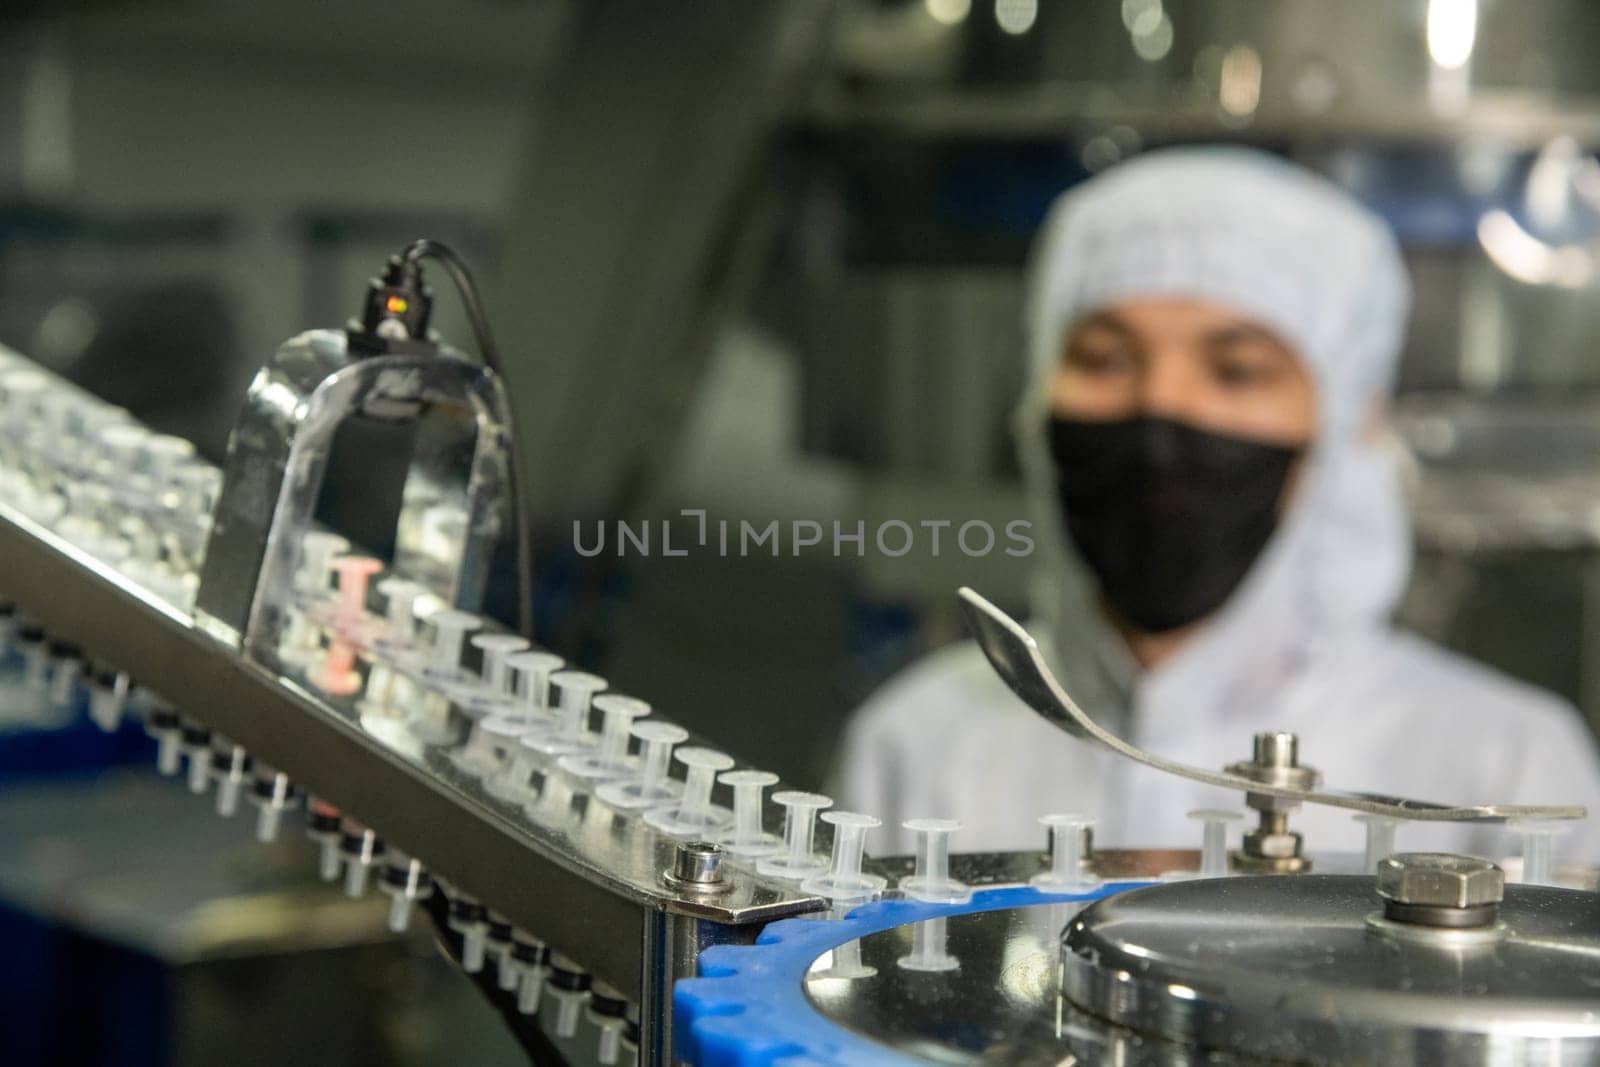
(1440, 880)
(1273, 846)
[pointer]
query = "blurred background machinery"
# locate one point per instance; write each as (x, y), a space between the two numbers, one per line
(760, 261)
(765, 261)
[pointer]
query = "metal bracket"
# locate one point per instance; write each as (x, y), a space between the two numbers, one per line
(1014, 655)
(453, 503)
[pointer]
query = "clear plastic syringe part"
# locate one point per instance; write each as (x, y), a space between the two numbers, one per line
(569, 732)
(797, 860)
(932, 881)
(531, 671)
(748, 839)
(317, 551)
(610, 760)
(930, 947)
(844, 881)
(652, 786)
(1538, 848)
(1380, 839)
(694, 815)
(1214, 839)
(450, 627)
(1066, 873)
(354, 575)
(494, 702)
(400, 601)
(493, 692)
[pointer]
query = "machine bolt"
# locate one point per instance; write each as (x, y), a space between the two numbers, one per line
(1440, 889)
(1273, 848)
(697, 865)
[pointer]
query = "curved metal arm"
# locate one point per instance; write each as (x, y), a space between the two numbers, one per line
(1014, 654)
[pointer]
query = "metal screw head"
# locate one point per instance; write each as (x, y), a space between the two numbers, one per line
(697, 865)
(1276, 748)
(1440, 880)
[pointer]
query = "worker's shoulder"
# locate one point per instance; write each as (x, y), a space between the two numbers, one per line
(939, 691)
(1458, 686)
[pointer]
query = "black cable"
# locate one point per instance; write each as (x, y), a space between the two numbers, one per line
(472, 302)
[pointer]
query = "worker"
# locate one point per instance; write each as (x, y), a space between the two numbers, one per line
(1220, 537)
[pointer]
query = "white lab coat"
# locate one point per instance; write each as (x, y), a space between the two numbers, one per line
(1303, 645)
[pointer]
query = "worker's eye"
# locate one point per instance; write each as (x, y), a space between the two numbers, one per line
(1240, 368)
(1101, 358)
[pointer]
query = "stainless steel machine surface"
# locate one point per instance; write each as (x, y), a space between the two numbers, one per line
(524, 808)
(1309, 970)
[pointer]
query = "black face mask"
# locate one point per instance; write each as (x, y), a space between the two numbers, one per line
(1169, 518)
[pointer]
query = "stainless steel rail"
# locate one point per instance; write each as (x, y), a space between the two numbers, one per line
(587, 881)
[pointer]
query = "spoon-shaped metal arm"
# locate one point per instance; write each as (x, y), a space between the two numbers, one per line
(1014, 654)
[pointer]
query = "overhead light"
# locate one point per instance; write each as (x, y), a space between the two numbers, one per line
(948, 12)
(1239, 86)
(1155, 44)
(1526, 258)
(1016, 17)
(1452, 30)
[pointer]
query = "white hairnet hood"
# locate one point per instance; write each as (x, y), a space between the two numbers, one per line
(1304, 643)
(1273, 241)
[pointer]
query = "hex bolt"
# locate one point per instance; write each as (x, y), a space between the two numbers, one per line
(694, 814)
(1440, 889)
(1068, 832)
(1380, 838)
(931, 881)
(652, 786)
(797, 861)
(611, 760)
(1214, 840)
(844, 881)
(449, 629)
(747, 838)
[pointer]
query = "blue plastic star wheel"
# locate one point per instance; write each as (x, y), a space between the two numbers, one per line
(750, 1006)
